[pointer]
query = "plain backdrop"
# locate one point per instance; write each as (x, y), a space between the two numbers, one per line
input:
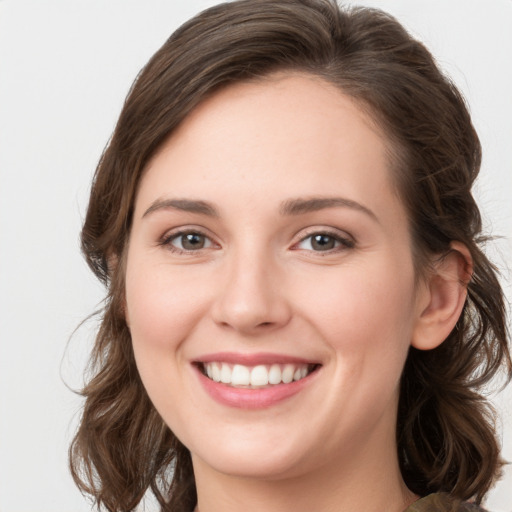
(65, 68)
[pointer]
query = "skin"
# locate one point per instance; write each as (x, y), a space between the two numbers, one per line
(259, 285)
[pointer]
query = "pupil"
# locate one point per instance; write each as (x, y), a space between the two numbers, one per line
(323, 242)
(193, 241)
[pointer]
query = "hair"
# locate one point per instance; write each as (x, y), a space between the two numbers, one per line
(445, 432)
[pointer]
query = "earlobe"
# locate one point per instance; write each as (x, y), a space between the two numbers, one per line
(442, 297)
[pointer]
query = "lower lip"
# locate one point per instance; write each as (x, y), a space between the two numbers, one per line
(244, 398)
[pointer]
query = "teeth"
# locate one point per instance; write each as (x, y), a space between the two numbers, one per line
(215, 372)
(225, 374)
(261, 375)
(275, 374)
(240, 376)
(288, 372)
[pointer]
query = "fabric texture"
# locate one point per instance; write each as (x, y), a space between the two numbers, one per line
(442, 502)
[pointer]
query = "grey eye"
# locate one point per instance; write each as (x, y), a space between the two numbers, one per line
(190, 241)
(322, 242)
(319, 242)
(325, 242)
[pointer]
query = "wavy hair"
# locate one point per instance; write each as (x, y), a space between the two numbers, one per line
(445, 433)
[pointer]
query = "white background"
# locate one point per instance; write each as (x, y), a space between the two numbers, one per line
(65, 67)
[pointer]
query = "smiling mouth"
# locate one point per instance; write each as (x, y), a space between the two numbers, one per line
(256, 377)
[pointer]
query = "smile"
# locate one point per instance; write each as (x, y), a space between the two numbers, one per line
(255, 377)
(255, 381)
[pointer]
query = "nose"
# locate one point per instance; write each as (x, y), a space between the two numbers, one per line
(252, 296)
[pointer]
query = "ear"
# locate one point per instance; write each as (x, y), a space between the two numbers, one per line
(441, 297)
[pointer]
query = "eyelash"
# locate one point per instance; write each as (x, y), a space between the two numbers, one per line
(167, 240)
(343, 243)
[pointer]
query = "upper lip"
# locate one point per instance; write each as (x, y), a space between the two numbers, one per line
(252, 359)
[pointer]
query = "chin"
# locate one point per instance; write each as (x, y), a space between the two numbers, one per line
(263, 469)
(247, 458)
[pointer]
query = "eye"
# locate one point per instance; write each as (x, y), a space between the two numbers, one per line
(324, 242)
(187, 241)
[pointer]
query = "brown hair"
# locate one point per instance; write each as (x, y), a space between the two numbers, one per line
(445, 432)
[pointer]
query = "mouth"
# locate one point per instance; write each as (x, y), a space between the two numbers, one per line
(261, 376)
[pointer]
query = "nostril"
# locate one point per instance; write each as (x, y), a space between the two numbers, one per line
(250, 311)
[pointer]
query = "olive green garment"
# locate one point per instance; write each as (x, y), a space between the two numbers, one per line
(441, 502)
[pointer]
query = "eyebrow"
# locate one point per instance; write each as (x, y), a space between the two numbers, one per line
(185, 205)
(298, 206)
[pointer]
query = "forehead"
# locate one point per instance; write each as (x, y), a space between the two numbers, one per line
(284, 134)
(291, 96)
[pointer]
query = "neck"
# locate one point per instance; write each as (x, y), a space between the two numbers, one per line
(371, 482)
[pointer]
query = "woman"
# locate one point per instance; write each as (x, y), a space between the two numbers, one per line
(299, 315)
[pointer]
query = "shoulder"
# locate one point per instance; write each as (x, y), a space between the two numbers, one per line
(442, 502)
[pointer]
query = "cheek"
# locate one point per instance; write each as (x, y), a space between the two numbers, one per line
(360, 300)
(365, 315)
(161, 309)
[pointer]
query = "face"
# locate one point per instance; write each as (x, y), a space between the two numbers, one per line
(270, 289)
